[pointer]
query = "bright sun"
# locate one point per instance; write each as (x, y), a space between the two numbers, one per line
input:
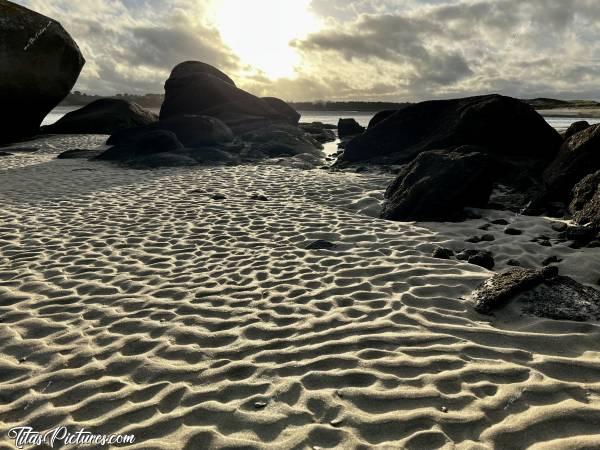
(260, 31)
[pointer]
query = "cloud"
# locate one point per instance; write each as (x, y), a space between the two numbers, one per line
(402, 50)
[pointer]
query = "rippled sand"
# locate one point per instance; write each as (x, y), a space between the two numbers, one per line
(133, 302)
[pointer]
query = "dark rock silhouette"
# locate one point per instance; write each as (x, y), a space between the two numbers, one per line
(482, 258)
(575, 128)
(104, 116)
(349, 127)
(438, 185)
(284, 109)
(502, 125)
(39, 63)
(585, 205)
(199, 89)
(380, 116)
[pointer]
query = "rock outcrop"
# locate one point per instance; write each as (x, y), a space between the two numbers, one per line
(576, 127)
(40, 63)
(579, 156)
(541, 293)
(501, 125)
(585, 205)
(104, 116)
(438, 185)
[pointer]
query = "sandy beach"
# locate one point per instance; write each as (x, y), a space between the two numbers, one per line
(137, 301)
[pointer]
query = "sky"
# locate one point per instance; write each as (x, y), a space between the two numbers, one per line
(375, 50)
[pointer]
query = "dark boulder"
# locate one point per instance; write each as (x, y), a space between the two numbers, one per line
(442, 253)
(585, 206)
(104, 116)
(147, 143)
(482, 258)
(437, 186)
(204, 93)
(579, 156)
(502, 125)
(380, 117)
(575, 128)
(191, 131)
(188, 68)
(284, 109)
(349, 127)
(541, 293)
(40, 63)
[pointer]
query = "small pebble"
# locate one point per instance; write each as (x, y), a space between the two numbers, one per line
(444, 409)
(259, 197)
(260, 405)
(551, 260)
(336, 422)
(488, 238)
(218, 197)
(500, 222)
(513, 231)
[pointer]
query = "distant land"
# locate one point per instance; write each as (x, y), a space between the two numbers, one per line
(155, 101)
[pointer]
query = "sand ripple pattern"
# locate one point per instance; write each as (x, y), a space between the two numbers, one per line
(133, 302)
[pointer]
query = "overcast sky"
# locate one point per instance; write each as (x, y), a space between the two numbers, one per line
(396, 50)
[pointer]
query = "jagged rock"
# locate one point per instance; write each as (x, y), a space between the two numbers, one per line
(40, 63)
(104, 116)
(502, 125)
(320, 132)
(349, 127)
(585, 205)
(438, 186)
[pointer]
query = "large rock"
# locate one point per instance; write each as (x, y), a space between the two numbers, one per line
(540, 293)
(104, 116)
(438, 185)
(190, 90)
(141, 145)
(39, 63)
(380, 117)
(585, 205)
(579, 156)
(284, 109)
(349, 127)
(187, 68)
(502, 125)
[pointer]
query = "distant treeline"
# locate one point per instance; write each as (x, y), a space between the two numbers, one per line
(155, 101)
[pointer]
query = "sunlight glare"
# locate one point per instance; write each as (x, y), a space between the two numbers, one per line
(260, 31)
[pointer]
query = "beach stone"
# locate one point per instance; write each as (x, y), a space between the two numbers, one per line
(318, 131)
(40, 64)
(585, 203)
(487, 238)
(79, 153)
(578, 157)
(551, 260)
(5, 154)
(502, 287)
(576, 127)
(219, 197)
(259, 197)
(104, 116)
(542, 294)
(442, 253)
(513, 231)
(320, 245)
(437, 186)
(500, 222)
(484, 121)
(349, 127)
(482, 258)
